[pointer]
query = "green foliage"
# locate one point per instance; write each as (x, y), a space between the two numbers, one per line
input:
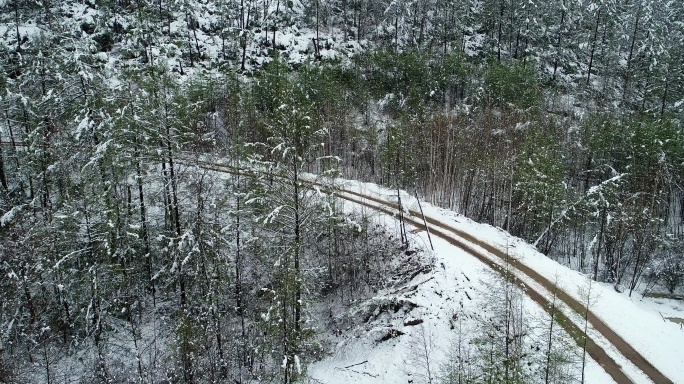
(633, 160)
(670, 269)
(503, 336)
(398, 145)
(188, 347)
(451, 73)
(650, 152)
(540, 189)
(512, 84)
(406, 76)
(271, 85)
(328, 88)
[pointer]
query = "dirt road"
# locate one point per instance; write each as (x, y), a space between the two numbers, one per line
(468, 243)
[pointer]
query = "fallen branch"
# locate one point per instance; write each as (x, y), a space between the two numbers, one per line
(354, 365)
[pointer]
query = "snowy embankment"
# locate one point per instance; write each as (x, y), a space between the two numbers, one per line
(640, 321)
(445, 305)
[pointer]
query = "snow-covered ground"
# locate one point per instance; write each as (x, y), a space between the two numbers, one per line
(454, 290)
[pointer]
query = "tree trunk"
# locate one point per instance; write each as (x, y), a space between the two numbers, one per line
(600, 239)
(552, 311)
(3, 176)
(275, 24)
(637, 18)
(558, 42)
(500, 36)
(587, 303)
(664, 98)
(145, 232)
(593, 45)
(16, 24)
(297, 244)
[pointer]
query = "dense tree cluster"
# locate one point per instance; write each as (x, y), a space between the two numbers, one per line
(559, 121)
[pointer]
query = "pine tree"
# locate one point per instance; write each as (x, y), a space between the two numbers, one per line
(293, 143)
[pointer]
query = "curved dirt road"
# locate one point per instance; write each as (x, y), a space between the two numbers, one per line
(467, 242)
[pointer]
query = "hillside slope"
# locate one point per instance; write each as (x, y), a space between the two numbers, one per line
(448, 307)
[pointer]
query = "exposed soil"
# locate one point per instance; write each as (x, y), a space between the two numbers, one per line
(676, 320)
(660, 295)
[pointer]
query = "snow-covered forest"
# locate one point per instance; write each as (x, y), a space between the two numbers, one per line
(126, 255)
